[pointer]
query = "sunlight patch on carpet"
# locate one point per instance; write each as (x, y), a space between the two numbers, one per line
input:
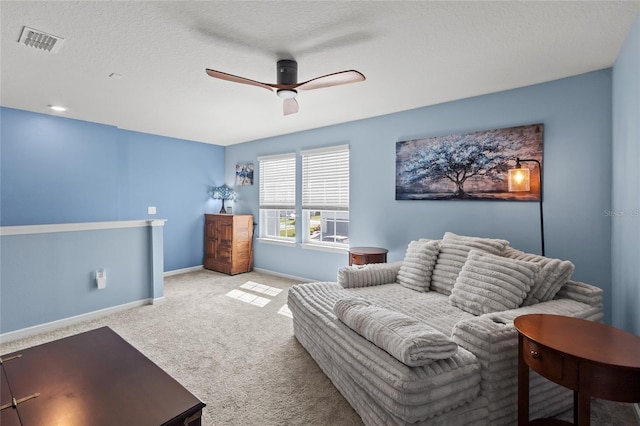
(254, 299)
(285, 311)
(261, 288)
(248, 298)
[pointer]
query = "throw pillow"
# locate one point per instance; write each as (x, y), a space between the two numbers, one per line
(418, 263)
(554, 273)
(371, 274)
(403, 337)
(490, 283)
(453, 253)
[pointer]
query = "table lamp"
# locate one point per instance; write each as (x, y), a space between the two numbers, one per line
(223, 193)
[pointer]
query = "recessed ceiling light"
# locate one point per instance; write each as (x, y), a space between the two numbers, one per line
(58, 108)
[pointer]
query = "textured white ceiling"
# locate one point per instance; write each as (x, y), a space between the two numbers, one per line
(413, 54)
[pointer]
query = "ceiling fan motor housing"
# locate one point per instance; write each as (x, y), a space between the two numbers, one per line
(287, 71)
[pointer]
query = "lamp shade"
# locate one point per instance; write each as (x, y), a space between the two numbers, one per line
(519, 179)
(222, 193)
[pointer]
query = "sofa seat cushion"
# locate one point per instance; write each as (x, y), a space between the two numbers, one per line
(406, 339)
(410, 393)
(554, 273)
(439, 315)
(489, 283)
(417, 266)
(453, 254)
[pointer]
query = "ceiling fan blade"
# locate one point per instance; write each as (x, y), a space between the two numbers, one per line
(234, 78)
(290, 106)
(335, 79)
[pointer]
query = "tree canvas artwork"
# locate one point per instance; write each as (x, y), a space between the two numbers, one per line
(468, 166)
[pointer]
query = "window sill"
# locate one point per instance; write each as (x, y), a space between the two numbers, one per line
(322, 247)
(277, 242)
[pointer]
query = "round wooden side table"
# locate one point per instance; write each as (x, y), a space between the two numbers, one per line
(591, 358)
(364, 255)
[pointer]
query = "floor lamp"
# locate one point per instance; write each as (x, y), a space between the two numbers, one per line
(519, 182)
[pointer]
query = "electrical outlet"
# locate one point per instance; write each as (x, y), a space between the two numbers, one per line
(101, 279)
(151, 210)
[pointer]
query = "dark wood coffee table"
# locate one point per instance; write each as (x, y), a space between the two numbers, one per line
(592, 359)
(94, 378)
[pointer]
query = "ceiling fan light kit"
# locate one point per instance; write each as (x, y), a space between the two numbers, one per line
(287, 93)
(287, 85)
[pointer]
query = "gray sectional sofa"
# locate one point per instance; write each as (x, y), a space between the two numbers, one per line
(430, 339)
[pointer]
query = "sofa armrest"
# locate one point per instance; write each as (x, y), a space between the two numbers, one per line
(368, 275)
(493, 339)
(582, 292)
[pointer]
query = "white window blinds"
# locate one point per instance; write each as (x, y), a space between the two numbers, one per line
(325, 178)
(278, 181)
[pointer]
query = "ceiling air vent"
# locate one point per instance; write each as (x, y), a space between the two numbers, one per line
(40, 40)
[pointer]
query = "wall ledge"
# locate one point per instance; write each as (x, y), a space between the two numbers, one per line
(83, 226)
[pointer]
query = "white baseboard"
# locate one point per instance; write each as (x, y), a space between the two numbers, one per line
(41, 328)
(183, 270)
(278, 274)
(264, 271)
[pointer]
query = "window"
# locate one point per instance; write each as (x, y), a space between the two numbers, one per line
(278, 197)
(325, 196)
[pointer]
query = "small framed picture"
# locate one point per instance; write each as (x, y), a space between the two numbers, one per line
(244, 174)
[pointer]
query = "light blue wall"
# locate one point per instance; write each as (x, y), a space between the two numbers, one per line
(625, 246)
(576, 113)
(51, 276)
(58, 170)
(173, 175)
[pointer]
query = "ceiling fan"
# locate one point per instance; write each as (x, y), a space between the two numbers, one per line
(287, 86)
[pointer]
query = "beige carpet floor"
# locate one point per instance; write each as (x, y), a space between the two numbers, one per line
(239, 357)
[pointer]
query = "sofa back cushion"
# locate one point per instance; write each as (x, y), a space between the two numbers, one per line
(554, 273)
(417, 266)
(489, 283)
(453, 254)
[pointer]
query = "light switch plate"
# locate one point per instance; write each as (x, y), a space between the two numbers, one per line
(151, 210)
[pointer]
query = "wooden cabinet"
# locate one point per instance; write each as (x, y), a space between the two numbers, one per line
(228, 242)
